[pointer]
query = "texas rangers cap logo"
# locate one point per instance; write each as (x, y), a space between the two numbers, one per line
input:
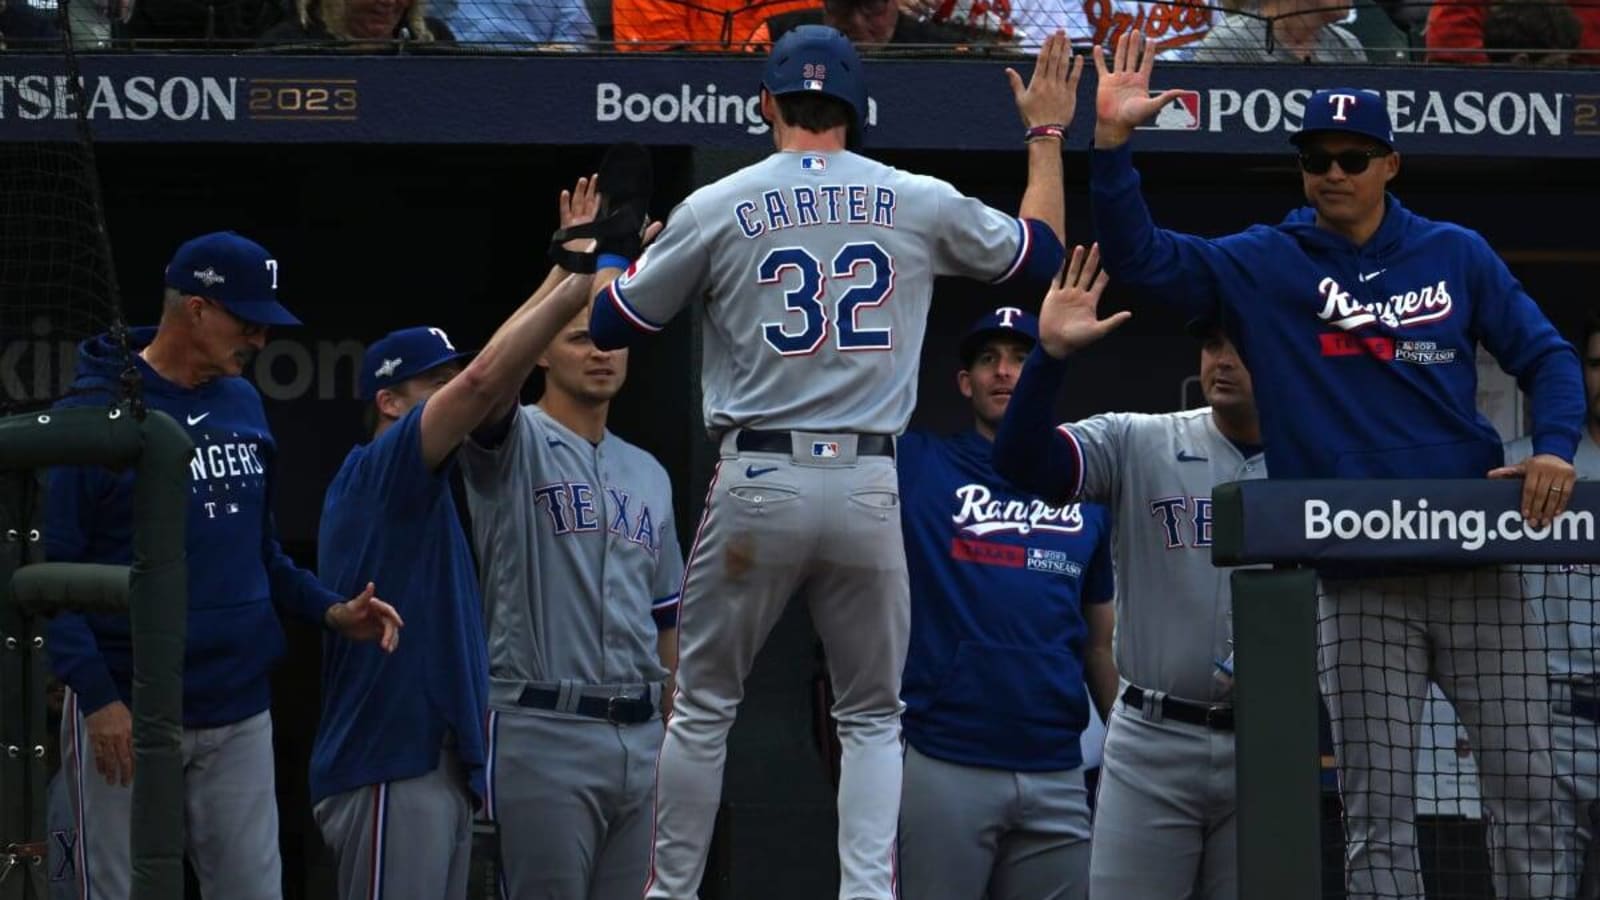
(1007, 314)
(1341, 104)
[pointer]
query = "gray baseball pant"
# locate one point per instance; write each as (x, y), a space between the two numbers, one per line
(1164, 823)
(971, 833)
(573, 798)
(827, 528)
(1382, 641)
(230, 812)
(403, 840)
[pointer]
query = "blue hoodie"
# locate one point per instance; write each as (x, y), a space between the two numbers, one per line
(237, 571)
(1363, 358)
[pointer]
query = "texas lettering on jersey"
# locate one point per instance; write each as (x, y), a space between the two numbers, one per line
(572, 510)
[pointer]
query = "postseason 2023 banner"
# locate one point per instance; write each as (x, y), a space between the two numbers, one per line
(712, 102)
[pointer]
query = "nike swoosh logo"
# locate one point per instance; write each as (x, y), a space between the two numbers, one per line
(195, 420)
(1185, 456)
(1370, 275)
(753, 472)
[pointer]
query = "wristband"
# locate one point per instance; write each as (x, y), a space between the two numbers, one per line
(612, 261)
(1040, 132)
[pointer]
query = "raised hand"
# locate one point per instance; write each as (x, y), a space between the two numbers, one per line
(1069, 319)
(1051, 96)
(1122, 100)
(366, 618)
(579, 206)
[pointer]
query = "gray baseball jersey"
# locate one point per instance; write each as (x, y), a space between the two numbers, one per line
(808, 284)
(1563, 597)
(815, 271)
(576, 544)
(1156, 473)
(578, 554)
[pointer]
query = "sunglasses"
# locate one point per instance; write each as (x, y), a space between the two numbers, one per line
(1351, 162)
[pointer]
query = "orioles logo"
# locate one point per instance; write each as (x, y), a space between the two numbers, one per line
(1168, 25)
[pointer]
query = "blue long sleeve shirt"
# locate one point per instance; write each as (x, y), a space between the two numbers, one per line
(1363, 357)
(237, 571)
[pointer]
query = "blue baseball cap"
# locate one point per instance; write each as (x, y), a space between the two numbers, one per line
(1351, 110)
(234, 271)
(1005, 320)
(404, 354)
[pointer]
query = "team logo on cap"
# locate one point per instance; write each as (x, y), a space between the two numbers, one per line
(209, 277)
(1342, 104)
(1007, 314)
(388, 368)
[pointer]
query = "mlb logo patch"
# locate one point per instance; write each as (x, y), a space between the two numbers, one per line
(811, 84)
(813, 163)
(825, 449)
(1182, 114)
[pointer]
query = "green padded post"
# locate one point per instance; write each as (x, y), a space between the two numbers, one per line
(45, 588)
(1275, 709)
(158, 595)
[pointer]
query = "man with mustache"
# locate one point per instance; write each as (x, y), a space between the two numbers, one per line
(221, 298)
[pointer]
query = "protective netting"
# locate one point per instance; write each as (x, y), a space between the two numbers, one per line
(57, 284)
(1465, 718)
(1539, 33)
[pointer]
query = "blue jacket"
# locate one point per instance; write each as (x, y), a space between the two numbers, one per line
(999, 582)
(1363, 358)
(237, 572)
(387, 518)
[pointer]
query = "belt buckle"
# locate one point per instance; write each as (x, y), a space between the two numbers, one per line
(612, 706)
(1214, 716)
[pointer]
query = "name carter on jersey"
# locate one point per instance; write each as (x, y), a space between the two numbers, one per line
(980, 514)
(823, 204)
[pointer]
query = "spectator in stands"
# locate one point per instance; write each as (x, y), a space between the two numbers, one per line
(1301, 31)
(1384, 38)
(24, 25)
(358, 21)
(1173, 26)
(520, 24)
(1531, 34)
(665, 25)
(873, 22)
(1457, 30)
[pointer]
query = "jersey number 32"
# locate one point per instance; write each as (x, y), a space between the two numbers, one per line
(865, 265)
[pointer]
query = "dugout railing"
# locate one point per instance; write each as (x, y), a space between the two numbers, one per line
(154, 592)
(1285, 532)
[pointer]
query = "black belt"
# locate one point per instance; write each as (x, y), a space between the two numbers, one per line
(616, 710)
(1218, 718)
(755, 440)
(1583, 702)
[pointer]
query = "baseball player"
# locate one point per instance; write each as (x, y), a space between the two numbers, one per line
(1164, 822)
(221, 298)
(1562, 599)
(580, 563)
(1360, 322)
(1010, 614)
(816, 267)
(398, 764)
